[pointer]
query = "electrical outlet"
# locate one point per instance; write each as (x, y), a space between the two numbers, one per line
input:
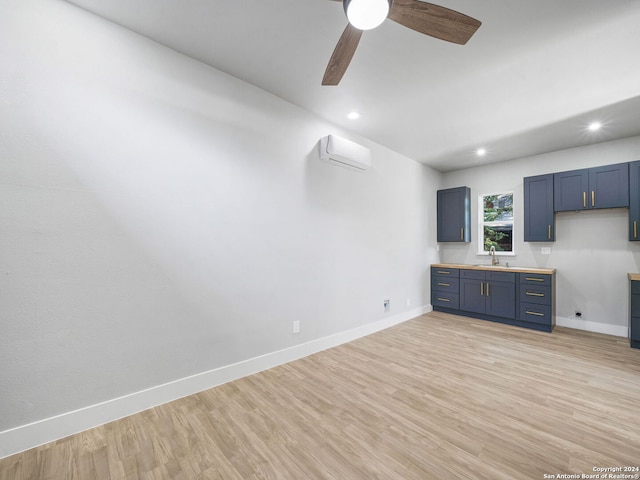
(387, 306)
(296, 326)
(408, 302)
(546, 251)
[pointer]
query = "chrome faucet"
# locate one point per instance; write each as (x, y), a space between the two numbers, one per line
(494, 260)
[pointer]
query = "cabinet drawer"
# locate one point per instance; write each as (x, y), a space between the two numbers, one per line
(445, 299)
(472, 274)
(447, 272)
(444, 284)
(635, 287)
(535, 294)
(535, 279)
(501, 277)
(531, 312)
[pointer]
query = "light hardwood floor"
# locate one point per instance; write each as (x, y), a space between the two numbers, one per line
(438, 397)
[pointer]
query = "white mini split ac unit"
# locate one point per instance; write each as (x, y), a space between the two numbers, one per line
(341, 151)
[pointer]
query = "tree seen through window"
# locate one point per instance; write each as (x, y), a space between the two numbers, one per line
(497, 222)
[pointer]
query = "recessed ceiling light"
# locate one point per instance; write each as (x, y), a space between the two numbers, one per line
(481, 152)
(354, 115)
(595, 126)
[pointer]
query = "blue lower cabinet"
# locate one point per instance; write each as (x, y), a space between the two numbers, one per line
(536, 300)
(444, 288)
(491, 293)
(524, 300)
(634, 323)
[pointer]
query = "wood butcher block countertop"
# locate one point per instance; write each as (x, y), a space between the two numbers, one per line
(634, 276)
(501, 268)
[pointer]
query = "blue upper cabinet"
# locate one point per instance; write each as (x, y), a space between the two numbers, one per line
(599, 187)
(539, 218)
(454, 215)
(570, 190)
(609, 186)
(634, 201)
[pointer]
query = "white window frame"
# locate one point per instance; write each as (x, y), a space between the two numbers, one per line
(481, 224)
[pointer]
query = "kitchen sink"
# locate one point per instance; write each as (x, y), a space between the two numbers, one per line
(494, 266)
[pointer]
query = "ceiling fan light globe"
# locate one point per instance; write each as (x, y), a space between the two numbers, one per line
(366, 14)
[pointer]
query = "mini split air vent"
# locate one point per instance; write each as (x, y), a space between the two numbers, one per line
(341, 151)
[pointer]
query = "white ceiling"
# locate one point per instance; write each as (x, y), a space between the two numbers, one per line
(528, 82)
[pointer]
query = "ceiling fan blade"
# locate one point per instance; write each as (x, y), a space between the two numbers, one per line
(342, 55)
(434, 20)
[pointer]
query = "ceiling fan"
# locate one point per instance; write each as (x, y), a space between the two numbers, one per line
(423, 17)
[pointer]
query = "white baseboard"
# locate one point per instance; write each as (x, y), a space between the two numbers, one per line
(28, 436)
(597, 327)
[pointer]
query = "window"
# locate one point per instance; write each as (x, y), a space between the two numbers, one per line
(496, 223)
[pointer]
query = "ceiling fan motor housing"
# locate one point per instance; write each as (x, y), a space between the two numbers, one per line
(366, 14)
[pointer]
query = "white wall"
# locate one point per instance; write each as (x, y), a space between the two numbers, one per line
(161, 219)
(591, 252)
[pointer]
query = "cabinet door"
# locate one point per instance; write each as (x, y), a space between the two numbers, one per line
(635, 304)
(570, 190)
(634, 201)
(635, 329)
(539, 218)
(609, 186)
(472, 295)
(454, 215)
(501, 299)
